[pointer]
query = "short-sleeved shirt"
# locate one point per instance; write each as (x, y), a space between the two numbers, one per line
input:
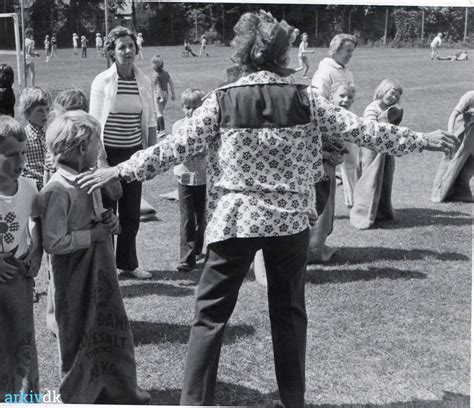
(436, 42)
(15, 212)
(29, 49)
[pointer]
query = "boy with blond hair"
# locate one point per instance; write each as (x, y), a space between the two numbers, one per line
(20, 261)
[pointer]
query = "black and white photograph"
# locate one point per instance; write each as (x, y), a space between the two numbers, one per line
(236, 204)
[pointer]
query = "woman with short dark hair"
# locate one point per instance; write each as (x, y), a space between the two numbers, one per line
(122, 101)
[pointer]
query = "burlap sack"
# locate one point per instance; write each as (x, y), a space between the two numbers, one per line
(452, 178)
(95, 341)
(18, 358)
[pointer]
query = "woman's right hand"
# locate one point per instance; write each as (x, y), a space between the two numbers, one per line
(441, 141)
(94, 179)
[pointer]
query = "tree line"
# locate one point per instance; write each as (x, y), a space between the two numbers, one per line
(164, 23)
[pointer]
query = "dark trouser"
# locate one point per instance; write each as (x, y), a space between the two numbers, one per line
(128, 209)
(227, 263)
(192, 209)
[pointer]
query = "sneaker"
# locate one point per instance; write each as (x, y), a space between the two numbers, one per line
(137, 273)
(185, 267)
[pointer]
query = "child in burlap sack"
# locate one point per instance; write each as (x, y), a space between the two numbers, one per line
(94, 337)
(20, 261)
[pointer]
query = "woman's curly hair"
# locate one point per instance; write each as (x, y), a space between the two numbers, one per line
(261, 42)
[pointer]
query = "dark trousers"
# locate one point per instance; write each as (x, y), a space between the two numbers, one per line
(128, 210)
(227, 263)
(192, 209)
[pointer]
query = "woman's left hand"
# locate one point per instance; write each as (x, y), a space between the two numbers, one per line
(441, 141)
(92, 180)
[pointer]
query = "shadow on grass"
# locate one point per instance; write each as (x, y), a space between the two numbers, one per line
(192, 277)
(155, 333)
(320, 277)
(421, 217)
(229, 395)
(236, 396)
(358, 255)
(450, 400)
(154, 288)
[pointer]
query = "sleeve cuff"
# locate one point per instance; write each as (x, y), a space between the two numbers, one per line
(424, 141)
(82, 238)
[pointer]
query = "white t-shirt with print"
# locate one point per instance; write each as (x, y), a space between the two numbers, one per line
(15, 213)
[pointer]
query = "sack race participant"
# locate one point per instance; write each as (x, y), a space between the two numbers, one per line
(20, 260)
(94, 337)
(454, 174)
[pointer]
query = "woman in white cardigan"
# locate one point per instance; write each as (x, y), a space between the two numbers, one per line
(122, 101)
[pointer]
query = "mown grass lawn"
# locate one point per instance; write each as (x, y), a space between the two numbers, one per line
(389, 318)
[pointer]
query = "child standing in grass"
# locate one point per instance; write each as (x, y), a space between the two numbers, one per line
(162, 83)
(95, 341)
(7, 96)
(20, 260)
(34, 105)
(140, 42)
(373, 191)
(342, 95)
(191, 176)
(84, 46)
(452, 180)
(47, 47)
(302, 55)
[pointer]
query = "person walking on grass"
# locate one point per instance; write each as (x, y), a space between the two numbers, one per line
(75, 43)
(302, 55)
(435, 44)
(30, 53)
(47, 47)
(54, 46)
(163, 88)
(84, 46)
(140, 42)
(202, 50)
(99, 45)
(263, 137)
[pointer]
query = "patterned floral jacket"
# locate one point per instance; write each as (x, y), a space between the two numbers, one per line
(263, 136)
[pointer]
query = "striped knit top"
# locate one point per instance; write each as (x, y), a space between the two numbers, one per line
(123, 127)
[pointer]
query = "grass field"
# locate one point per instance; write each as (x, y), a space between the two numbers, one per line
(389, 318)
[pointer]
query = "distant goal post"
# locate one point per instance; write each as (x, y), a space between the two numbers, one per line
(17, 52)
